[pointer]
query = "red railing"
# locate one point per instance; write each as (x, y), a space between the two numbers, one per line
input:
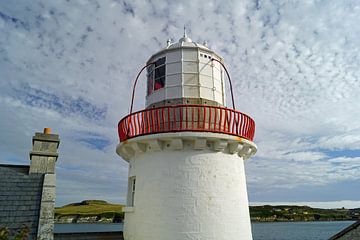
(186, 118)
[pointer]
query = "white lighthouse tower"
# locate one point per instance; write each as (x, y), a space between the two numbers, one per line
(186, 151)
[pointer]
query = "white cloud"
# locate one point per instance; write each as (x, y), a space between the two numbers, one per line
(294, 67)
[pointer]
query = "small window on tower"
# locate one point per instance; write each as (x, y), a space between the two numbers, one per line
(160, 72)
(131, 191)
(156, 75)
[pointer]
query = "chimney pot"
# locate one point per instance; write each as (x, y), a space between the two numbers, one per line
(47, 130)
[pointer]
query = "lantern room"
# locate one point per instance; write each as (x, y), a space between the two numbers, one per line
(185, 73)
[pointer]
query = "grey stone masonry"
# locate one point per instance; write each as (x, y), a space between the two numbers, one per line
(20, 197)
(27, 193)
(44, 153)
(43, 157)
(350, 233)
(46, 219)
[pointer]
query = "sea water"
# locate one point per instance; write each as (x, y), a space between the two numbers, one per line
(297, 230)
(261, 231)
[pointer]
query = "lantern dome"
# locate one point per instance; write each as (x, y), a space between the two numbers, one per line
(185, 73)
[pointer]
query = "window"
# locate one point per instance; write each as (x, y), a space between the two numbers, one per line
(131, 190)
(156, 75)
(150, 78)
(205, 56)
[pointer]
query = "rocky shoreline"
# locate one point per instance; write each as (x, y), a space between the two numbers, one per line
(98, 211)
(85, 219)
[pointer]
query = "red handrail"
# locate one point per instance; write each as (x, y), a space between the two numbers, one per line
(175, 119)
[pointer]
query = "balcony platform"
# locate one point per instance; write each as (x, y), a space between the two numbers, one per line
(186, 118)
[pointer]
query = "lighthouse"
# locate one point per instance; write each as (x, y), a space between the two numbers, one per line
(186, 151)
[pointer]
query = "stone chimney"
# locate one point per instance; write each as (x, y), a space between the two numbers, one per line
(43, 157)
(44, 152)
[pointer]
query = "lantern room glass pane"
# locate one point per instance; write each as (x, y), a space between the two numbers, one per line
(150, 79)
(156, 75)
(159, 83)
(160, 61)
(159, 74)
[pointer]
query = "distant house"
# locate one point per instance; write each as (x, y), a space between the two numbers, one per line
(350, 233)
(27, 192)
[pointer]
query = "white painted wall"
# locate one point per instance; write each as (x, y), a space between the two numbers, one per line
(190, 73)
(188, 194)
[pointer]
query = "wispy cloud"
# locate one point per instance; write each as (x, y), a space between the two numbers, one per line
(94, 141)
(294, 65)
(65, 105)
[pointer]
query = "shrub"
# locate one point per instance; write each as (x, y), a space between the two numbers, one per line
(22, 235)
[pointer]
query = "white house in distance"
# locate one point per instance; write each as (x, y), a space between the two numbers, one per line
(186, 151)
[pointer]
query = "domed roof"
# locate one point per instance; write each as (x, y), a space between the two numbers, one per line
(185, 41)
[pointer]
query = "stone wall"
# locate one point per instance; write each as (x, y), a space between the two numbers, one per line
(355, 234)
(46, 218)
(43, 157)
(350, 233)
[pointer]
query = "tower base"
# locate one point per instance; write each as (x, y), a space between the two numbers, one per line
(187, 188)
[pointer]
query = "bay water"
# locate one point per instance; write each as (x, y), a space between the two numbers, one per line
(297, 230)
(261, 231)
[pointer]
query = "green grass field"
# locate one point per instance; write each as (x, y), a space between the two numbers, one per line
(102, 209)
(89, 208)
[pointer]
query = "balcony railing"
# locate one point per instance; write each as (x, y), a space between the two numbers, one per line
(186, 118)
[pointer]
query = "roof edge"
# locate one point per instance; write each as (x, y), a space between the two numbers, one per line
(345, 230)
(14, 165)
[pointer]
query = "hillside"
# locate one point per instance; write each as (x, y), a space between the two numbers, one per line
(286, 213)
(98, 211)
(89, 211)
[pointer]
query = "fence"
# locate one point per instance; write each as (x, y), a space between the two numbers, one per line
(186, 118)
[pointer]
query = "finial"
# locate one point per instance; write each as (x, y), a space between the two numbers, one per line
(168, 42)
(185, 38)
(205, 43)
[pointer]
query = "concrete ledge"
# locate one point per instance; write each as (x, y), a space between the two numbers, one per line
(43, 153)
(128, 209)
(50, 180)
(217, 142)
(47, 138)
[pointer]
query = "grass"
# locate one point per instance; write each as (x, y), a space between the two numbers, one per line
(89, 208)
(102, 209)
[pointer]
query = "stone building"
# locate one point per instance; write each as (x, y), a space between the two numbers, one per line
(352, 232)
(27, 192)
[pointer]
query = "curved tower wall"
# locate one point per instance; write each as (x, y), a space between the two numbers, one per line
(189, 194)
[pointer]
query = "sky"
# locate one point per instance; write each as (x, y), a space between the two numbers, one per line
(70, 65)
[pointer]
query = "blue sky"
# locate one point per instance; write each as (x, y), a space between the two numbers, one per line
(69, 65)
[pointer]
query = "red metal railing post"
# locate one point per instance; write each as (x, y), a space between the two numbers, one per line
(134, 86)
(152, 121)
(230, 83)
